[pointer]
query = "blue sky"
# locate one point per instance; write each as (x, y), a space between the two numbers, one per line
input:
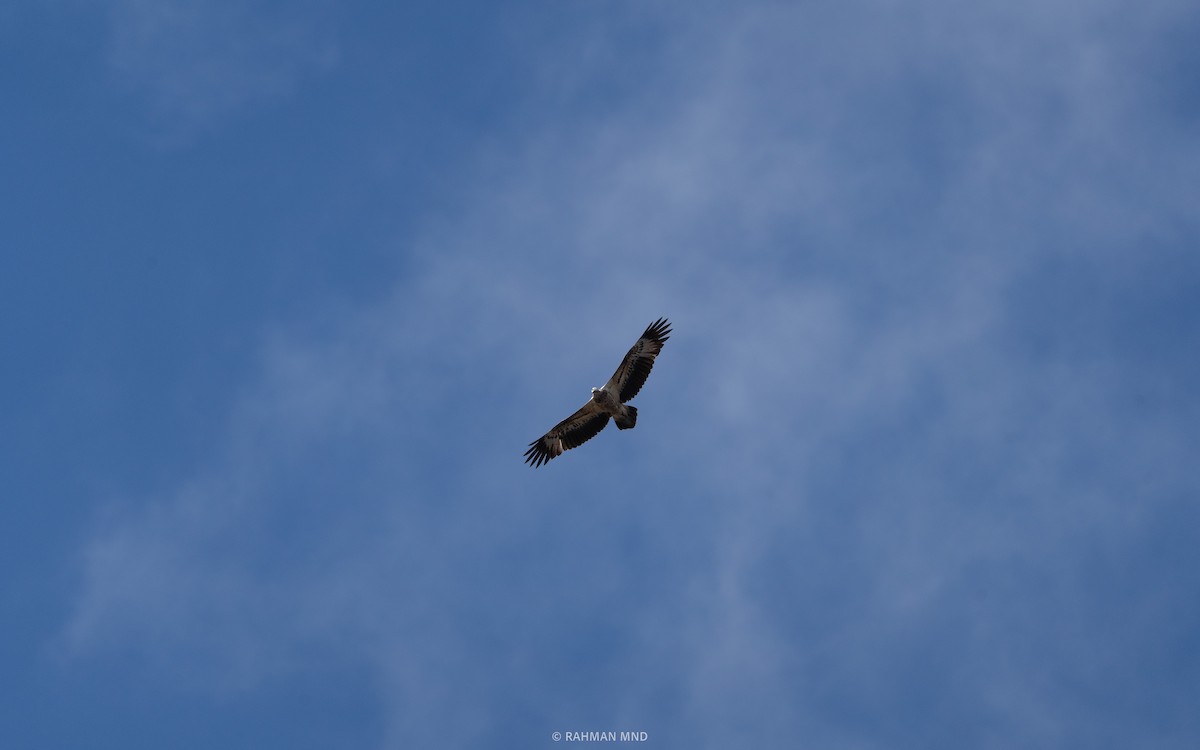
(288, 288)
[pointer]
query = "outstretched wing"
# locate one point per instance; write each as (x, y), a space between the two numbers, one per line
(570, 433)
(635, 368)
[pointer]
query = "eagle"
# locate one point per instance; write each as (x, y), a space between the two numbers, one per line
(607, 401)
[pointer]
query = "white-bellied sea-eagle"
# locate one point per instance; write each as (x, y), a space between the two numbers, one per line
(608, 401)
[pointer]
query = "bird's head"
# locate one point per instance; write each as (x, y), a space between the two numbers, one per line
(594, 392)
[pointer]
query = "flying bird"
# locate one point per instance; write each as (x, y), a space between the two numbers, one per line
(607, 401)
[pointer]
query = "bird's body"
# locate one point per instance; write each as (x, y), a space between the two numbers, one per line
(607, 402)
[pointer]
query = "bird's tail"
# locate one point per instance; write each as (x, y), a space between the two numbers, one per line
(626, 418)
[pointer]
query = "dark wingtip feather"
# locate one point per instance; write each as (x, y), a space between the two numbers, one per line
(534, 456)
(659, 330)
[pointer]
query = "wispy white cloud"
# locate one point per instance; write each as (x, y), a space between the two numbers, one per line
(854, 486)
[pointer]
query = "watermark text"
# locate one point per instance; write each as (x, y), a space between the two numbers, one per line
(596, 736)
